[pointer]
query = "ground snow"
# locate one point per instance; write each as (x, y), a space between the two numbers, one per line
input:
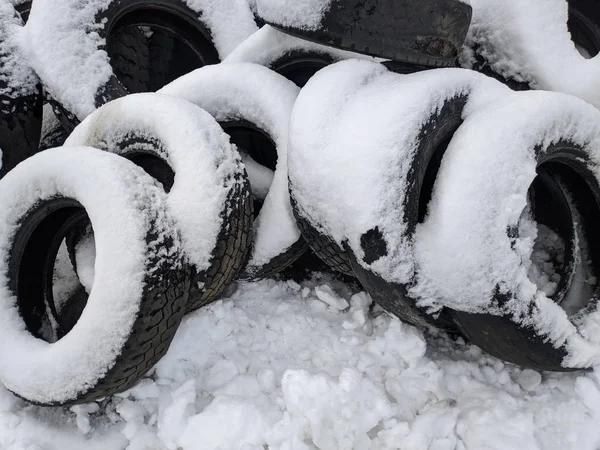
(275, 366)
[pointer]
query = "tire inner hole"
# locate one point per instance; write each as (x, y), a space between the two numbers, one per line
(299, 67)
(36, 266)
(563, 213)
(584, 33)
(149, 48)
(259, 154)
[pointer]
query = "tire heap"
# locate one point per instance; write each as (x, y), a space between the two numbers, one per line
(455, 201)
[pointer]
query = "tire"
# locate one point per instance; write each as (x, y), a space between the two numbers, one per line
(87, 78)
(335, 175)
(23, 7)
(427, 33)
(584, 25)
(53, 133)
(294, 58)
(552, 158)
(20, 96)
(138, 301)
(253, 105)
(553, 55)
(208, 195)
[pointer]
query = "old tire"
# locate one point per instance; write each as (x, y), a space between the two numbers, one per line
(253, 105)
(429, 32)
(554, 154)
(208, 196)
(134, 309)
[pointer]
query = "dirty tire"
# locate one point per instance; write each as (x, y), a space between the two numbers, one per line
(429, 32)
(130, 58)
(584, 25)
(76, 375)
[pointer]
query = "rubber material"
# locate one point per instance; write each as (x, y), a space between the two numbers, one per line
(584, 24)
(426, 32)
(299, 66)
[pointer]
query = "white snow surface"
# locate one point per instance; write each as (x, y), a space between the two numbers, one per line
(53, 372)
(192, 144)
(268, 44)
(275, 367)
(16, 76)
(306, 14)
(353, 134)
(529, 41)
(64, 45)
(264, 98)
(463, 249)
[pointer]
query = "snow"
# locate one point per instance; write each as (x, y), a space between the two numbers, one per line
(191, 142)
(16, 77)
(344, 187)
(267, 368)
(547, 257)
(231, 92)
(529, 41)
(65, 44)
(463, 248)
(55, 372)
(268, 44)
(306, 15)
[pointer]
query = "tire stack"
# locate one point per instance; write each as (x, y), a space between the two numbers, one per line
(456, 202)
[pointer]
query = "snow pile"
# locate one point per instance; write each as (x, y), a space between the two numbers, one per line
(529, 41)
(463, 248)
(275, 367)
(190, 142)
(268, 44)
(122, 218)
(547, 259)
(16, 76)
(306, 15)
(263, 98)
(65, 42)
(349, 174)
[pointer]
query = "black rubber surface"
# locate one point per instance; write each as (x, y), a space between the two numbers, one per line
(425, 32)
(299, 66)
(165, 292)
(564, 169)
(584, 24)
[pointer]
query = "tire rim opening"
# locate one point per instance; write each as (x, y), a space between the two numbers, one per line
(300, 67)
(155, 167)
(259, 154)
(34, 259)
(566, 212)
(170, 43)
(584, 33)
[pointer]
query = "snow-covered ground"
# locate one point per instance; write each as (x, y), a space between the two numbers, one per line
(279, 365)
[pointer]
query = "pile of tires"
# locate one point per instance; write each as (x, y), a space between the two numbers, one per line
(163, 175)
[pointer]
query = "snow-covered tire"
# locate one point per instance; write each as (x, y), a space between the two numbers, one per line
(428, 32)
(294, 58)
(477, 224)
(533, 45)
(20, 95)
(185, 149)
(253, 104)
(370, 203)
(139, 296)
(68, 43)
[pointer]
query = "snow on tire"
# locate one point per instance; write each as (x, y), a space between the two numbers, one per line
(368, 202)
(294, 58)
(483, 249)
(529, 45)
(253, 104)
(183, 147)
(20, 94)
(66, 42)
(140, 290)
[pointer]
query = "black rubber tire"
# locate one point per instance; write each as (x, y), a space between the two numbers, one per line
(434, 137)
(148, 151)
(584, 25)
(300, 66)
(130, 58)
(33, 247)
(576, 193)
(23, 9)
(325, 248)
(53, 137)
(161, 46)
(427, 32)
(20, 115)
